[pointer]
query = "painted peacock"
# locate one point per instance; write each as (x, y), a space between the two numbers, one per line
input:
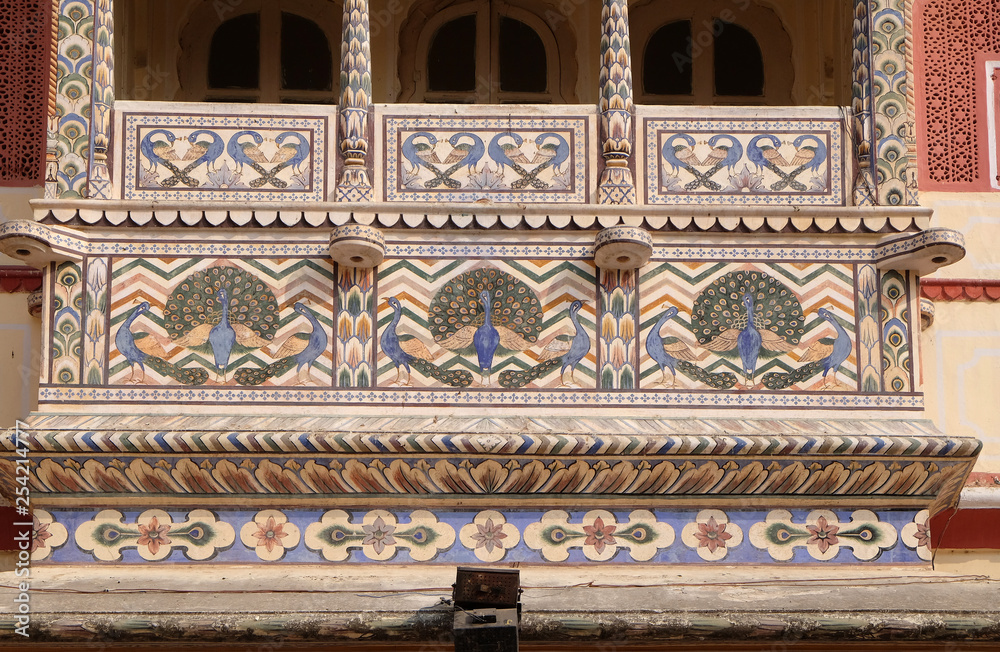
(141, 348)
(564, 351)
(405, 350)
(673, 354)
(487, 313)
(299, 350)
(748, 315)
(221, 311)
(825, 355)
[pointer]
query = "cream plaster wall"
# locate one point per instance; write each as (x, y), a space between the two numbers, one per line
(961, 350)
(19, 355)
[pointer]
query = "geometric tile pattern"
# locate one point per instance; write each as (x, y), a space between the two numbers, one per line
(216, 157)
(505, 159)
(728, 160)
(444, 535)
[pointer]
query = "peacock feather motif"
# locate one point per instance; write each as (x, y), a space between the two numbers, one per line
(748, 315)
(485, 312)
(221, 311)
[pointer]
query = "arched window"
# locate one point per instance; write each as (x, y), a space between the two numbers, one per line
(707, 57)
(484, 52)
(267, 52)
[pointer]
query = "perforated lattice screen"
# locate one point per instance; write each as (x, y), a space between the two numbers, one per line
(24, 40)
(954, 32)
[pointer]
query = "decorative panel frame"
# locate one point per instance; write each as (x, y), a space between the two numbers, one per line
(224, 152)
(488, 154)
(736, 156)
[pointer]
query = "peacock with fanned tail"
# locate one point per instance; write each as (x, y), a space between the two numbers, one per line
(487, 313)
(748, 315)
(222, 311)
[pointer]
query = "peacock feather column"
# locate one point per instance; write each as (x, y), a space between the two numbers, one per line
(355, 102)
(102, 100)
(73, 97)
(52, 113)
(863, 129)
(617, 185)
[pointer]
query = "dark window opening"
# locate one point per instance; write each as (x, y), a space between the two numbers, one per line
(234, 56)
(523, 67)
(306, 61)
(667, 68)
(451, 59)
(739, 64)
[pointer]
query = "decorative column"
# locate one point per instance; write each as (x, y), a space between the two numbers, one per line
(355, 102)
(911, 108)
(52, 112)
(74, 60)
(102, 100)
(865, 192)
(882, 103)
(616, 186)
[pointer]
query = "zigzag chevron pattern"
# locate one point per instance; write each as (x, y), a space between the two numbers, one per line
(291, 280)
(815, 285)
(556, 284)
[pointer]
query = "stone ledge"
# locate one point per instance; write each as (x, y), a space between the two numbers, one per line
(114, 603)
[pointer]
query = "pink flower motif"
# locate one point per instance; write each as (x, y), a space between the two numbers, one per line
(823, 534)
(379, 535)
(270, 534)
(712, 535)
(599, 534)
(489, 535)
(923, 534)
(39, 533)
(153, 536)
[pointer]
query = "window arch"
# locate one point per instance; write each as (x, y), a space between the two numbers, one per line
(484, 52)
(264, 52)
(707, 54)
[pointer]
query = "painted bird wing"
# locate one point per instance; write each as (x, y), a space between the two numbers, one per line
(196, 151)
(284, 154)
(717, 155)
(413, 346)
(511, 340)
(294, 344)
(775, 157)
(254, 154)
(458, 154)
(774, 342)
(195, 337)
(803, 156)
(515, 154)
(555, 347)
(148, 344)
(725, 341)
(165, 151)
(460, 339)
(680, 350)
(247, 337)
(818, 350)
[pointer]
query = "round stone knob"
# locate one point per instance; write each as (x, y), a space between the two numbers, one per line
(357, 245)
(623, 247)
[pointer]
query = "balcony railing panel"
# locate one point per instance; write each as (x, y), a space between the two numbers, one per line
(743, 155)
(223, 152)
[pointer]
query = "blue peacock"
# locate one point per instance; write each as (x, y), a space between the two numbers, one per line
(299, 350)
(825, 355)
(564, 351)
(748, 315)
(487, 313)
(222, 311)
(673, 354)
(405, 350)
(141, 348)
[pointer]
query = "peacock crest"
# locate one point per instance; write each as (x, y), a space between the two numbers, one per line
(457, 310)
(721, 307)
